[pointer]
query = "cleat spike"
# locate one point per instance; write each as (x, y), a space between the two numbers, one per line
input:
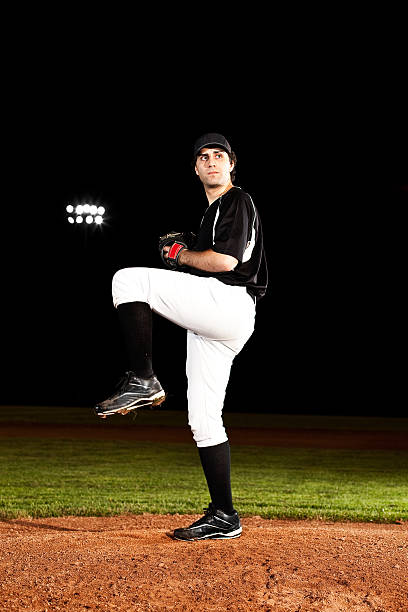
(158, 401)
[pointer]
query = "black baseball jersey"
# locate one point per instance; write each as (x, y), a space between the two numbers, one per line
(231, 226)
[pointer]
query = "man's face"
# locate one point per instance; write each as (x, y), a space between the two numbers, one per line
(213, 167)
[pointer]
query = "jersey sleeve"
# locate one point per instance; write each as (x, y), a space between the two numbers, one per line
(232, 226)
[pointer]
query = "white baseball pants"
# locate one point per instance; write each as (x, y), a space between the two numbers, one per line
(219, 319)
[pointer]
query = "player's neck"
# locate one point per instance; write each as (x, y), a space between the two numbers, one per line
(213, 193)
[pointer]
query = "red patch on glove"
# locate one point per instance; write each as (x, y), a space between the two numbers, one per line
(175, 250)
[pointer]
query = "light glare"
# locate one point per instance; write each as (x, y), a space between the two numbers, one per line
(84, 212)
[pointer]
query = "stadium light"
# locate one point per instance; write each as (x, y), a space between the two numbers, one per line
(90, 212)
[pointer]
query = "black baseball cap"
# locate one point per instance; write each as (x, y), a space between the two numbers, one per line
(210, 140)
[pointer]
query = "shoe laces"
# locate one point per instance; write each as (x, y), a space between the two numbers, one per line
(122, 384)
(209, 510)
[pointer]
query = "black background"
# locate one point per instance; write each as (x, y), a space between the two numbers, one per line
(326, 181)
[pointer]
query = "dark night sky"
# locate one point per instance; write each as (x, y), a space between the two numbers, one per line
(316, 347)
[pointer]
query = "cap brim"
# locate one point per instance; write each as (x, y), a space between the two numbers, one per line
(211, 144)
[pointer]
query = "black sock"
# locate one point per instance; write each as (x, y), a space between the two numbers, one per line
(216, 462)
(135, 320)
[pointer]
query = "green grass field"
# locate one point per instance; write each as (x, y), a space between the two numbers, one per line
(55, 477)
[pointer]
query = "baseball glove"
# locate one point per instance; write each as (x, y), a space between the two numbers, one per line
(177, 242)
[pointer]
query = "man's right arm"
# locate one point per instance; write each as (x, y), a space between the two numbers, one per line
(208, 260)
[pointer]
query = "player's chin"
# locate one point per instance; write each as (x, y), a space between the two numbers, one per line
(214, 180)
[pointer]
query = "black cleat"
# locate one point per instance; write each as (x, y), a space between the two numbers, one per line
(215, 525)
(133, 392)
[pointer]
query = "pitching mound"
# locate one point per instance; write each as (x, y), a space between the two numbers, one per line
(130, 563)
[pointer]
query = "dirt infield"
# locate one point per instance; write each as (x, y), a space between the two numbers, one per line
(130, 563)
(283, 437)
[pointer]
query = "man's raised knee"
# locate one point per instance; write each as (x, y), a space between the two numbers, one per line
(129, 285)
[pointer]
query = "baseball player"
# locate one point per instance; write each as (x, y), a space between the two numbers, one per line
(210, 287)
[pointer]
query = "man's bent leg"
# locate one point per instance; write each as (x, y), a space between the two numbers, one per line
(205, 305)
(135, 320)
(139, 387)
(183, 299)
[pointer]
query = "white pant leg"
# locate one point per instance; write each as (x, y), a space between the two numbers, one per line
(208, 371)
(204, 305)
(219, 319)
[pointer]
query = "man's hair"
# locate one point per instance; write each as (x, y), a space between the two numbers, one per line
(233, 159)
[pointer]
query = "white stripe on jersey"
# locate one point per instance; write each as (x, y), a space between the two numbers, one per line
(250, 245)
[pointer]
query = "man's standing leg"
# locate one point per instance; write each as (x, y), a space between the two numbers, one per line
(216, 464)
(208, 370)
